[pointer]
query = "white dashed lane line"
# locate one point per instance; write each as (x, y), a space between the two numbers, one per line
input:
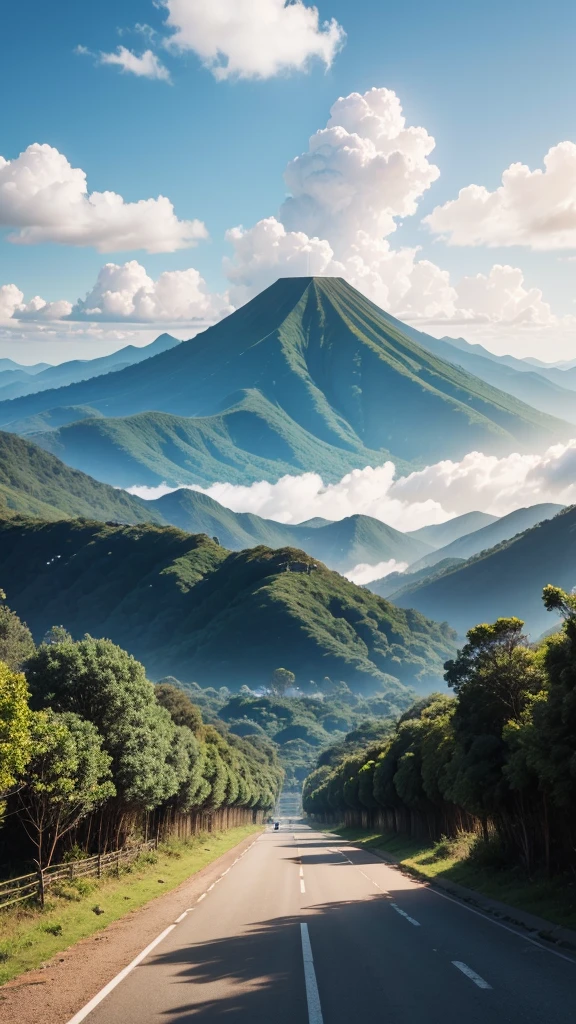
(404, 914)
(471, 974)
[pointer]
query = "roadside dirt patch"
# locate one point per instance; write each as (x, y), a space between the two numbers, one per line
(55, 992)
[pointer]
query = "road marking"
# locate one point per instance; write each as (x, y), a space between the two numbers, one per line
(302, 886)
(404, 914)
(83, 1013)
(202, 897)
(499, 924)
(301, 872)
(181, 918)
(210, 887)
(471, 974)
(312, 996)
(479, 913)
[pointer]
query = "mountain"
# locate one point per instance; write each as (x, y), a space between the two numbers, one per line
(331, 361)
(440, 534)
(562, 374)
(9, 364)
(186, 606)
(503, 529)
(35, 483)
(83, 369)
(395, 582)
(253, 439)
(525, 383)
(51, 419)
(342, 544)
(506, 580)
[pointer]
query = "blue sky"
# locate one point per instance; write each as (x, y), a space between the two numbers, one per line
(493, 85)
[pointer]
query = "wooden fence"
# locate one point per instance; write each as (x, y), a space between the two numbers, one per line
(36, 884)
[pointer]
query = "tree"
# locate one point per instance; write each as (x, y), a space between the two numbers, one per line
(16, 642)
(15, 741)
(68, 775)
(180, 708)
(108, 687)
(281, 681)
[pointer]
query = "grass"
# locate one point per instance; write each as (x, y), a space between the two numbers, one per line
(30, 936)
(467, 861)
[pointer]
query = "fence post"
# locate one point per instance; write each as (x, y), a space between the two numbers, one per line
(41, 886)
(99, 865)
(117, 863)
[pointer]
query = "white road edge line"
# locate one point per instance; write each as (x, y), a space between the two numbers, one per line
(312, 996)
(301, 872)
(404, 914)
(302, 886)
(485, 917)
(83, 1013)
(471, 974)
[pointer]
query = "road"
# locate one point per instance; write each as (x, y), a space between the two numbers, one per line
(305, 929)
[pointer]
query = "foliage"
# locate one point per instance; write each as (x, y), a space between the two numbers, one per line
(68, 775)
(500, 755)
(16, 642)
(15, 741)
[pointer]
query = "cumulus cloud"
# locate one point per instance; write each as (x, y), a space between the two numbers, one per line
(47, 200)
(365, 573)
(360, 174)
(531, 208)
(146, 66)
(362, 171)
(13, 307)
(434, 494)
(126, 292)
(10, 299)
(244, 39)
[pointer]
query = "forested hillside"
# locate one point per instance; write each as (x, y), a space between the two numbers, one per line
(504, 580)
(186, 606)
(498, 756)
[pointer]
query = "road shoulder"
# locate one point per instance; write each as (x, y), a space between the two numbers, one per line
(56, 991)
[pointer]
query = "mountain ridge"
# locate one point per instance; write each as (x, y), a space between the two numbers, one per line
(331, 361)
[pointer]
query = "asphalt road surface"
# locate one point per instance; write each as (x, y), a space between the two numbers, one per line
(304, 929)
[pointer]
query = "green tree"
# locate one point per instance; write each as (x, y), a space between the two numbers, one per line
(15, 743)
(180, 708)
(100, 682)
(68, 775)
(281, 681)
(16, 643)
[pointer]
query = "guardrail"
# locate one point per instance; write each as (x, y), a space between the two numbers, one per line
(36, 884)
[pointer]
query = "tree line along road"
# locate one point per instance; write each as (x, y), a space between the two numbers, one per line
(306, 929)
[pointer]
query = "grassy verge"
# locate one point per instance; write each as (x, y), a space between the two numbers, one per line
(29, 936)
(467, 862)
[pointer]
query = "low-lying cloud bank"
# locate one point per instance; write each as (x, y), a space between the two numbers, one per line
(431, 495)
(366, 573)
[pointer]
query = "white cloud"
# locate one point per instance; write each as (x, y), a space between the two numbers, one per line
(361, 172)
(531, 208)
(431, 495)
(38, 309)
(365, 573)
(252, 38)
(47, 200)
(13, 307)
(145, 66)
(10, 299)
(127, 293)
